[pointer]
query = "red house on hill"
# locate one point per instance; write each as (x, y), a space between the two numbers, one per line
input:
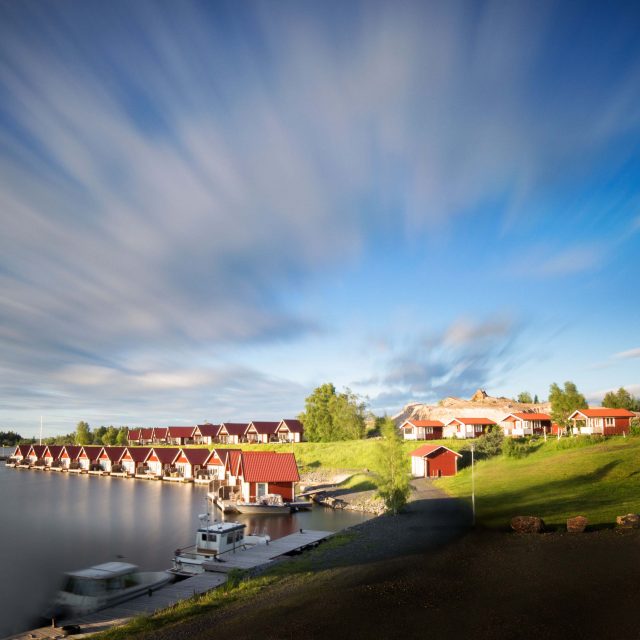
(422, 429)
(262, 472)
(206, 433)
(232, 432)
(434, 461)
(602, 421)
(526, 424)
(467, 427)
(290, 430)
(180, 435)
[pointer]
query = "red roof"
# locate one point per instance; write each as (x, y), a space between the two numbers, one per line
(166, 455)
(222, 455)
(603, 412)
(265, 428)
(295, 426)
(92, 451)
(113, 453)
(22, 449)
(133, 434)
(428, 449)
(181, 432)
(234, 428)
(138, 454)
(528, 416)
(72, 450)
(146, 434)
(233, 460)
(195, 456)
(424, 423)
(160, 433)
(38, 449)
(208, 430)
(54, 450)
(472, 421)
(269, 466)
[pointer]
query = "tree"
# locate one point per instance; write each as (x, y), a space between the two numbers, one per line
(565, 402)
(535, 399)
(98, 435)
(110, 437)
(122, 438)
(392, 468)
(83, 433)
(525, 397)
(621, 399)
(330, 416)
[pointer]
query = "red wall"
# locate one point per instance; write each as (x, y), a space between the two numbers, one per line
(436, 435)
(442, 462)
(285, 489)
(621, 426)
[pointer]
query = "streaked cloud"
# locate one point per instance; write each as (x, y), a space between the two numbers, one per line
(631, 353)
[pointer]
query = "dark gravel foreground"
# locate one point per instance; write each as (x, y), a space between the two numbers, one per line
(420, 575)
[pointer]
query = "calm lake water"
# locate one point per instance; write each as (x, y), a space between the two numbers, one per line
(55, 522)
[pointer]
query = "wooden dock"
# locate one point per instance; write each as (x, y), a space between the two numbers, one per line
(264, 553)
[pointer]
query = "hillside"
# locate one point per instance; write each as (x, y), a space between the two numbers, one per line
(559, 479)
(480, 405)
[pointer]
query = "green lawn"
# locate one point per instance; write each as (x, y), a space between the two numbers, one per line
(558, 480)
(352, 455)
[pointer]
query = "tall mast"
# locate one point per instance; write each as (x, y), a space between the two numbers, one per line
(40, 429)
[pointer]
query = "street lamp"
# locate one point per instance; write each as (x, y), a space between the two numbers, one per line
(473, 491)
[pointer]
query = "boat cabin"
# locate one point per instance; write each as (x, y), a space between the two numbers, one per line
(219, 537)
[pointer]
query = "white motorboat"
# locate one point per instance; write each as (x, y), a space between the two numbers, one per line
(213, 542)
(103, 586)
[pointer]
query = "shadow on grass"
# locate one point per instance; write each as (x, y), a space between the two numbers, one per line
(550, 499)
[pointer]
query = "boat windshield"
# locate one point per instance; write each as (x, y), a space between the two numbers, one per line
(83, 586)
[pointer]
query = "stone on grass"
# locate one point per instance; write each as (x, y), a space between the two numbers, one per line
(527, 524)
(577, 524)
(630, 521)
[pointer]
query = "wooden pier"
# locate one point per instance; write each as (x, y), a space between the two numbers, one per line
(265, 553)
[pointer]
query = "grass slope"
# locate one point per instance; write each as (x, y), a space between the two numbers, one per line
(353, 455)
(560, 479)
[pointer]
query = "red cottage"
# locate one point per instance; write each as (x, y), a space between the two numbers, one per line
(51, 454)
(232, 432)
(110, 456)
(160, 459)
(180, 435)
(206, 433)
(159, 435)
(216, 463)
(21, 453)
(36, 453)
(422, 429)
(189, 461)
(88, 456)
(132, 458)
(290, 430)
(69, 454)
(434, 461)
(602, 421)
(525, 423)
(467, 427)
(267, 472)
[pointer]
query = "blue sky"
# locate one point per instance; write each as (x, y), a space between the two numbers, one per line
(208, 209)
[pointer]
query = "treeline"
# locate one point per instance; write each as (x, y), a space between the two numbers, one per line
(106, 436)
(10, 438)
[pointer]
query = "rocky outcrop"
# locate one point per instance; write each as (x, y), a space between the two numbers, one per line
(367, 504)
(577, 524)
(527, 524)
(481, 405)
(630, 521)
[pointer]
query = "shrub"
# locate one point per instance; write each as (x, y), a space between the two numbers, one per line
(634, 427)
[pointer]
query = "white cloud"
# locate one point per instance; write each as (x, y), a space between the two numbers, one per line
(631, 353)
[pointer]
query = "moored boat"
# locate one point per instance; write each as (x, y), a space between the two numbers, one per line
(103, 586)
(213, 542)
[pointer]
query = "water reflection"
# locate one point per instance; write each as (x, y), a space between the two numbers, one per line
(53, 522)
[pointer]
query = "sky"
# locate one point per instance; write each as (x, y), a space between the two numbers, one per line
(207, 209)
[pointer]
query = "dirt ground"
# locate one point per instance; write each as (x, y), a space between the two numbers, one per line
(476, 584)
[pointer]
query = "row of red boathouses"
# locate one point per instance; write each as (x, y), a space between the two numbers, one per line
(248, 474)
(287, 430)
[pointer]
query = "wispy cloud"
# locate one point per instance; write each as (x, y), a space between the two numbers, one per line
(173, 175)
(631, 353)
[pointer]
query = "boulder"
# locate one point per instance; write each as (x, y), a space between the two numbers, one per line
(527, 524)
(630, 521)
(577, 524)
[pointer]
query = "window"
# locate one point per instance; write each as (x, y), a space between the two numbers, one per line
(609, 422)
(428, 430)
(261, 489)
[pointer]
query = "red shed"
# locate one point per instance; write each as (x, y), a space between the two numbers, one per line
(434, 461)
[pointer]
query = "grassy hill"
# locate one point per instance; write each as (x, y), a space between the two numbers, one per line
(599, 480)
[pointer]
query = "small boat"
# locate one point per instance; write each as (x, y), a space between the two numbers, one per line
(269, 503)
(103, 586)
(213, 542)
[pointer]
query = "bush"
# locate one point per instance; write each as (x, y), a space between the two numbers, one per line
(512, 448)
(634, 427)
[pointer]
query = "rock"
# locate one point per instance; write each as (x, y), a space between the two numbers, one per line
(630, 521)
(479, 395)
(577, 524)
(527, 524)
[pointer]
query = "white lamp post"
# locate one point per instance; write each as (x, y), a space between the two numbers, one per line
(473, 490)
